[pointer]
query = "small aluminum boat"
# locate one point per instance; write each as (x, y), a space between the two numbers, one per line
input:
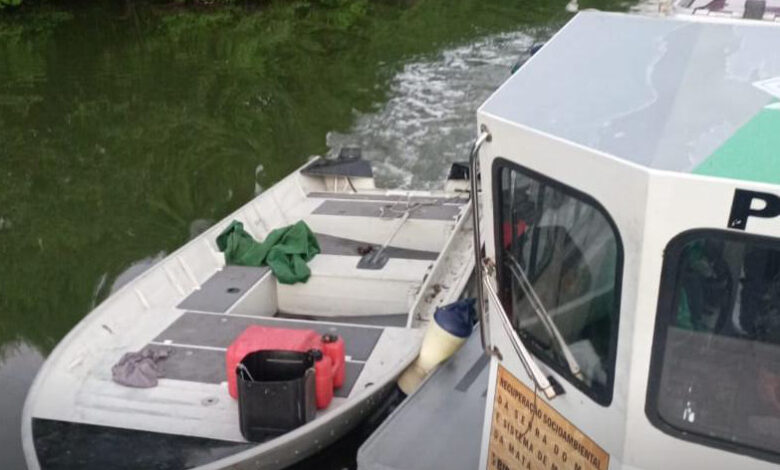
(192, 305)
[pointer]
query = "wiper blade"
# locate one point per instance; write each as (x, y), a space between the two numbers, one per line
(545, 384)
(544, 316)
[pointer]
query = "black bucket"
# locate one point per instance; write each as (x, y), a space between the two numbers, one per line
(276, 393)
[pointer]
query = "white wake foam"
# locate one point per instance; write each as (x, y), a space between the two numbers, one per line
(429, 120)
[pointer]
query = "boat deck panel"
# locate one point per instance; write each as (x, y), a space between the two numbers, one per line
(345, 268)
(398, 320)
(386, 210)
(208, 366)
(218, 331)
(388, 198)
(330, 245)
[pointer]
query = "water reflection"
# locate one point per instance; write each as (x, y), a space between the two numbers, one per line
(126, 130)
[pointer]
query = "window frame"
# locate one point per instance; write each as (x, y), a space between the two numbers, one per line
(666, 312)
(603, 398)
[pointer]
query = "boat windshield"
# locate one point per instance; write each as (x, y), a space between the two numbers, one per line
(716, 370)
(559, 267)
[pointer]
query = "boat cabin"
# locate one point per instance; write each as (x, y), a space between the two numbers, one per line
(630, 176)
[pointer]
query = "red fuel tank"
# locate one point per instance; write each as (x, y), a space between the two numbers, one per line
(329, 369)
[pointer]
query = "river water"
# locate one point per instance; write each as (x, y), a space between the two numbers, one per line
(126, 129)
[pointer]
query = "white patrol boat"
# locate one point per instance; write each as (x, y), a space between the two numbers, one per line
(386, 260)
(630, 180)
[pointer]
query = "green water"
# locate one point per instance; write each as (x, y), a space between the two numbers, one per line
(126, 128)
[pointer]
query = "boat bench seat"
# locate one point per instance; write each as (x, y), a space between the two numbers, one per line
(337, 287)
(335, 276)
(220, 292)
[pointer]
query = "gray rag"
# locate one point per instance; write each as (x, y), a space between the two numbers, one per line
(140, 369)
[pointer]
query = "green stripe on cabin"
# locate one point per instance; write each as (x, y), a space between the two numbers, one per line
(752, 153)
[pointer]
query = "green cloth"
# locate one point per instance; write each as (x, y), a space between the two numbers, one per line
(286, 250)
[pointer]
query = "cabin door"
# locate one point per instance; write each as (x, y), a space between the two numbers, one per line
(556, 264)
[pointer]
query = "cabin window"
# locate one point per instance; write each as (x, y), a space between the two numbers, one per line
(569, 252)
(715, 376)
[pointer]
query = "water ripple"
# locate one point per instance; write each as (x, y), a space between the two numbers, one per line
(429, 120)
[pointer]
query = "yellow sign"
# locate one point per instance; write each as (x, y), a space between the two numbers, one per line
(528, 434)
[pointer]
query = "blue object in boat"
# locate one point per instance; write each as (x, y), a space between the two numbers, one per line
(457, 318)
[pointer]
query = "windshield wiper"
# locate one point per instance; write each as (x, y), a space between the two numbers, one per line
(547, 385)
(538, 307)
